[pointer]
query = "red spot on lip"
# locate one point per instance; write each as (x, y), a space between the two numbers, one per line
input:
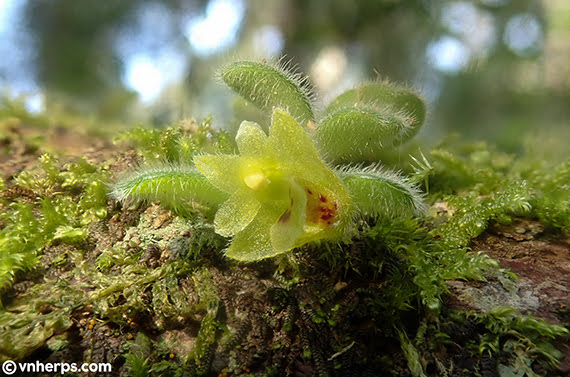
(335, 206)
(326, 216)
(309, 192)
(322, 198)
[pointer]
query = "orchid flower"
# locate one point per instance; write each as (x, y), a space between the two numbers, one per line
(281, 193)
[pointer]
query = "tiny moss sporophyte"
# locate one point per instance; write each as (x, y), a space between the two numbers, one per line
(282, 195)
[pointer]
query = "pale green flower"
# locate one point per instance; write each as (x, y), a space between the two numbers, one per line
(282, 194)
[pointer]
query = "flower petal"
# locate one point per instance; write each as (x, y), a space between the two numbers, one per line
(223, 171)
(235, 214)
(295, 151)
(254, 242)
(290, 141)
(251, 140)
(289, 227)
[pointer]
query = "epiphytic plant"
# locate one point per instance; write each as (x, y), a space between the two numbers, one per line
(278, 193)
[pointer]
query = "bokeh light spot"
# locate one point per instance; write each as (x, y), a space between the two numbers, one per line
(474, 26)
(328, 67)
(523, 34)
(218, 29)
(150, 54)
(35, 103)
(144, 76)
(268, 40)
(448, 54)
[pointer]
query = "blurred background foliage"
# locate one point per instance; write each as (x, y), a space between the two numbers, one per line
(489, 69)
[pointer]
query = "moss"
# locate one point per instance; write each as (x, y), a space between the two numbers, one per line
(521, 342)
(177, 144)
(201, 355)
(50, 204)
(472, 212)
(372, 305)
(486, 184)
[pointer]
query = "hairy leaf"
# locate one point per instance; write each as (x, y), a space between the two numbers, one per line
(268, 86)
(175, 186)
(382, 193)
(360, 133)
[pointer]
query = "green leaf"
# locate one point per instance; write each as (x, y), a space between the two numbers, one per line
(360, 133)
(70, 235)
(175, 186)
(269, 86)
(382, 193)
(384, 95)
(361, 122)
(411, 354)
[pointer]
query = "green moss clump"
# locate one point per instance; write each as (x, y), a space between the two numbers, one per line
(478, 184)
(472, 212)
(177, 144)
(524, 341)
(50, 204)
